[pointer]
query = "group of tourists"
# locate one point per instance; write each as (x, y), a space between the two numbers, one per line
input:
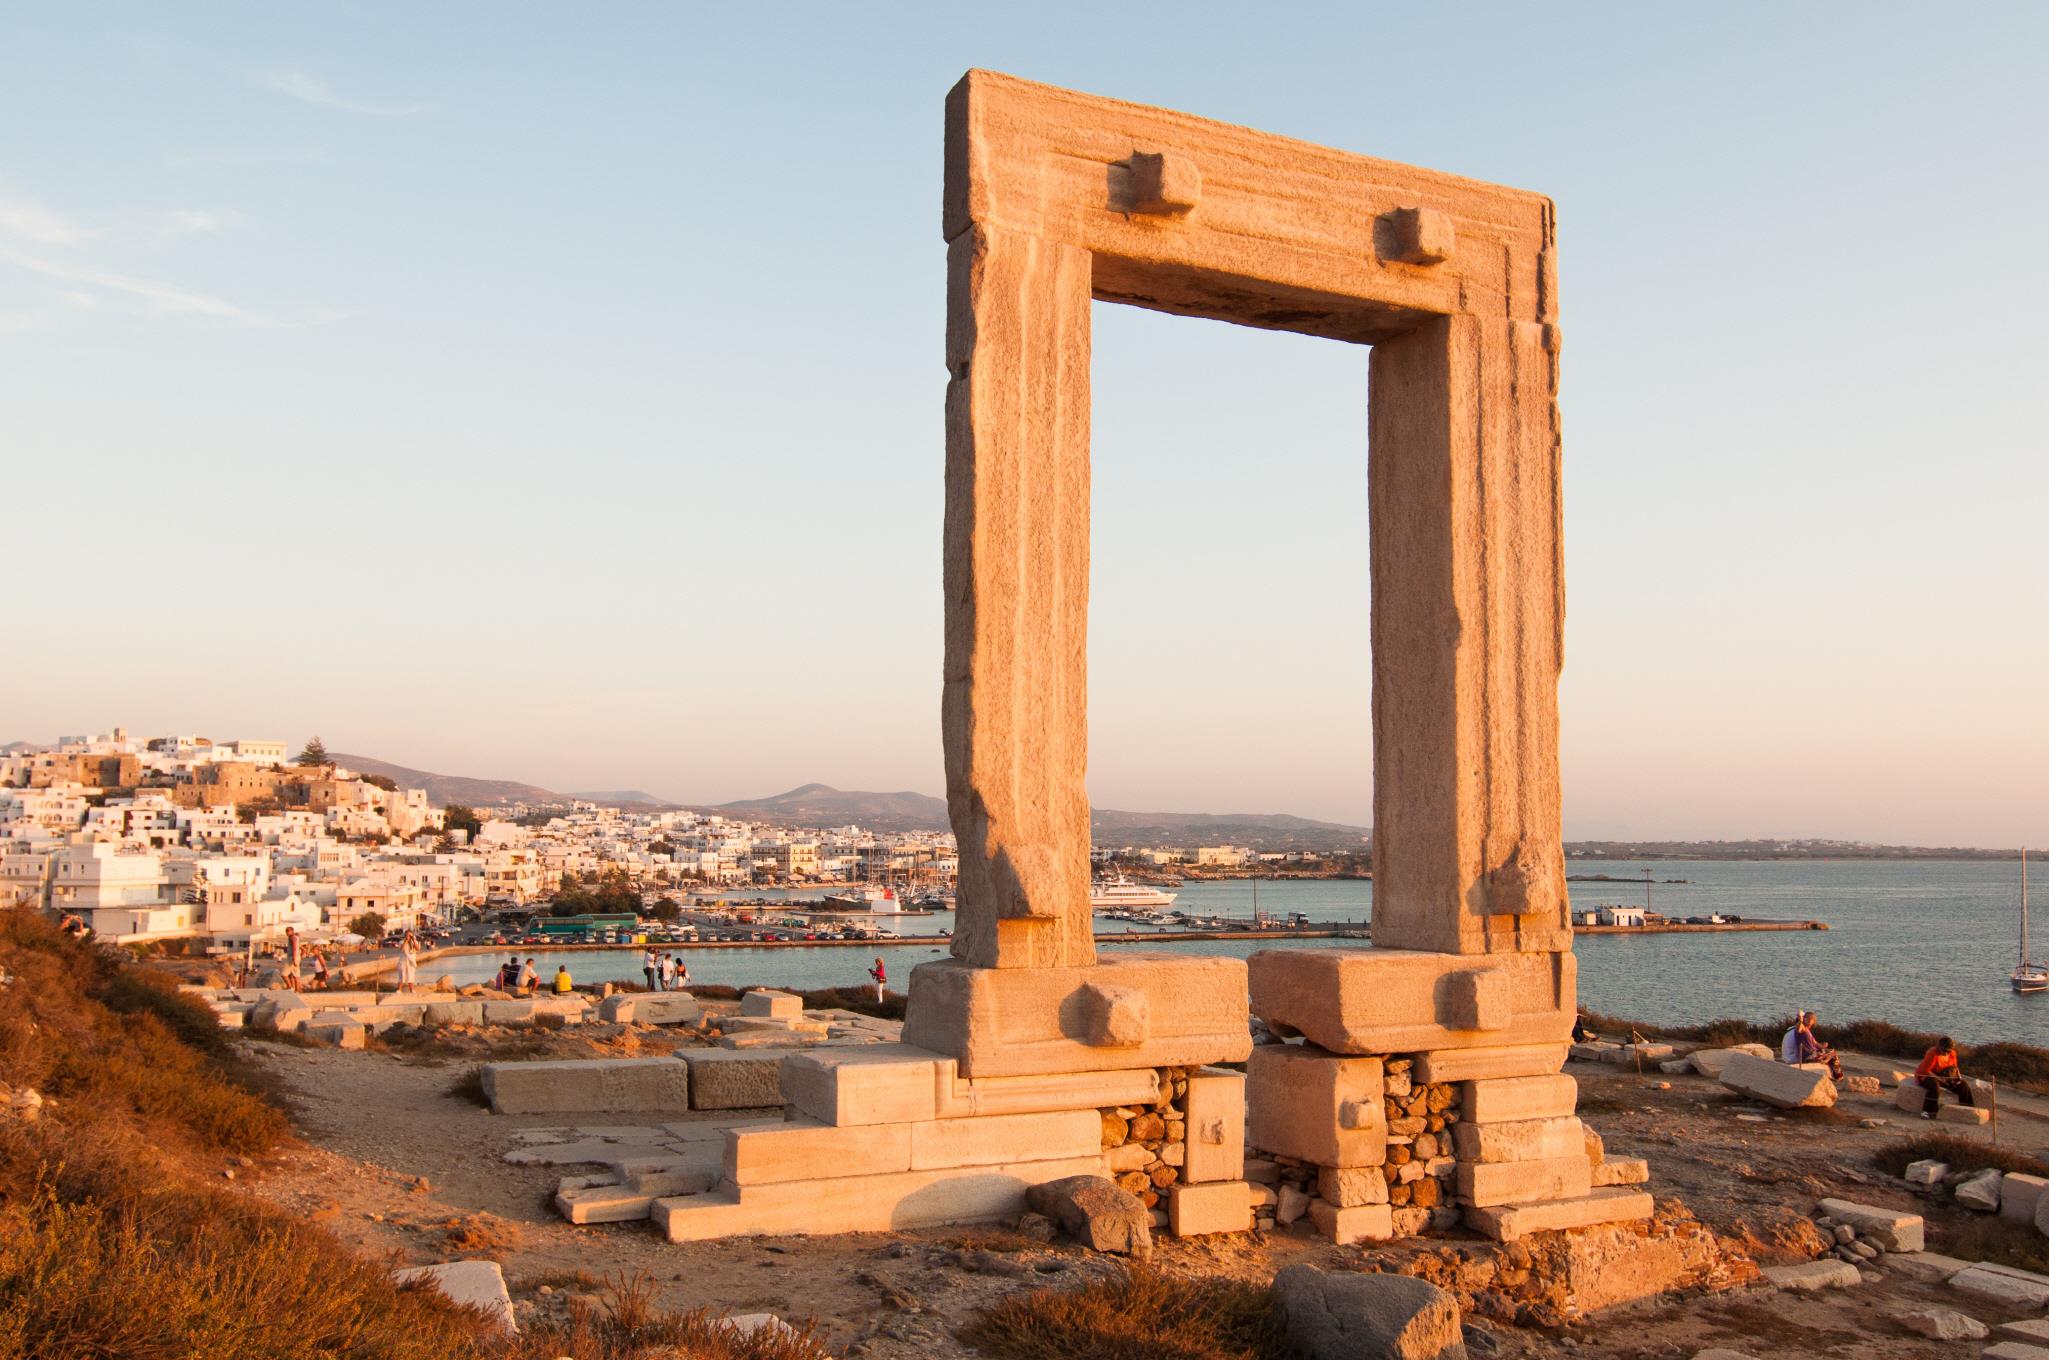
(525, 978)
(664, 972)
(303, 963)
(1938, 1071)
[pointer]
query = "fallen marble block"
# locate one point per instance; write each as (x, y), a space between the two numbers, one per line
(1789, 1088)
(579, 1086)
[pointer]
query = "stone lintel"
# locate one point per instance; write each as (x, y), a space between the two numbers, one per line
(1489, 1183)
(1030, 1021)
(1410, 1001)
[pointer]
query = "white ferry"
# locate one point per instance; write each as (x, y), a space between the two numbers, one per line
(1122, 897)
(880, 900)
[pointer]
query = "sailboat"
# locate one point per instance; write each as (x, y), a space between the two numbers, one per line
(2028, 975)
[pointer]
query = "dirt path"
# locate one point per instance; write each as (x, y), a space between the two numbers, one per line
(396, 1165)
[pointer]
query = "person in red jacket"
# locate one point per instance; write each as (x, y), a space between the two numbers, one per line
(881, 976)
(1939, 1072)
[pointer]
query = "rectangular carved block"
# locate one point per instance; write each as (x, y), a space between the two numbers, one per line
(1482, 1064)
(1218, 1207)
(1523, 1140)
(1022, 1021)
(1407, 1001)
(1216, 1126)
(1317, 1106)
(1502, 1100)
(1489, 1183)
(868, 1084)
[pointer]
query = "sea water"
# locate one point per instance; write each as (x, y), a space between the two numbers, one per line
(1924, 944)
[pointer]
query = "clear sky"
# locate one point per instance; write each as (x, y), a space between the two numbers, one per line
(554, 392)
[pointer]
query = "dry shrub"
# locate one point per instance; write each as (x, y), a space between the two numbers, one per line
(482, 1234)
(469, 1085)
(1136, 1312)
(857, 999)
(1987, 1237)
(1962, 1154)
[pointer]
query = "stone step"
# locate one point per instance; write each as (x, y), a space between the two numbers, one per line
(1507, 1222)
(842, 1203)
(603, 1204)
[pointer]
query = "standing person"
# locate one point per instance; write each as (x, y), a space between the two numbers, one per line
(408, 962)
(529, 977)
(651, 969)
(665, 967)
(881, 976)
(292, 957)
(679, 974)
(320, 969)
(1939, 1071)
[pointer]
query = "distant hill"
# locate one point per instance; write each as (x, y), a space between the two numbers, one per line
(621, 796)
(819, 805)
(1263, 830)
(443, 789)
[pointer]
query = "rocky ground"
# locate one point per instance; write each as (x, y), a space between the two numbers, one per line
(396, 1164)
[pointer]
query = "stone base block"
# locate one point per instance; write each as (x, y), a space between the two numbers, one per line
(727, 1079)
(1487, 1064)
(909, 1199)
(1003, 1139)
(1487, 1184)
(1216, 1207)
(873, 1084)
(1409, 1001)
(650, 1008)
(2019, 1196)
(1622, 1171)
(1508, 1222)
(1522, 1140)
(773, 1004)
(1364, 1223)
(603, 1204)
(1963, 1114)
(340, 1033)
(1215, 1111)
(1349, 1188)
(1027, 1021)
(805, 1149)
(1508, 1100)
(453, 1013)
(584, 1086)
(1319, 1107)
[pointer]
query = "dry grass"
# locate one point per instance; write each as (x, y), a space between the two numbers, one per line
(1987, 1237)
(1136, 1312)
(1962, 1154)
(117, 1241)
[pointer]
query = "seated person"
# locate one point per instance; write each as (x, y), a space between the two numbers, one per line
(1939, 1072)
(1799, 1047)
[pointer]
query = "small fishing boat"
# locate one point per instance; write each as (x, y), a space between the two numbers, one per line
(2029, 975)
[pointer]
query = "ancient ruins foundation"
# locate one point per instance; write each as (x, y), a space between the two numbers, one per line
(1427, 1087)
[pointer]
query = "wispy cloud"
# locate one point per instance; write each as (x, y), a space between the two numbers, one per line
(185, 160)
(159, 297)
(13, 323)
(188, 221)
(311, 89)
(34, 222)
